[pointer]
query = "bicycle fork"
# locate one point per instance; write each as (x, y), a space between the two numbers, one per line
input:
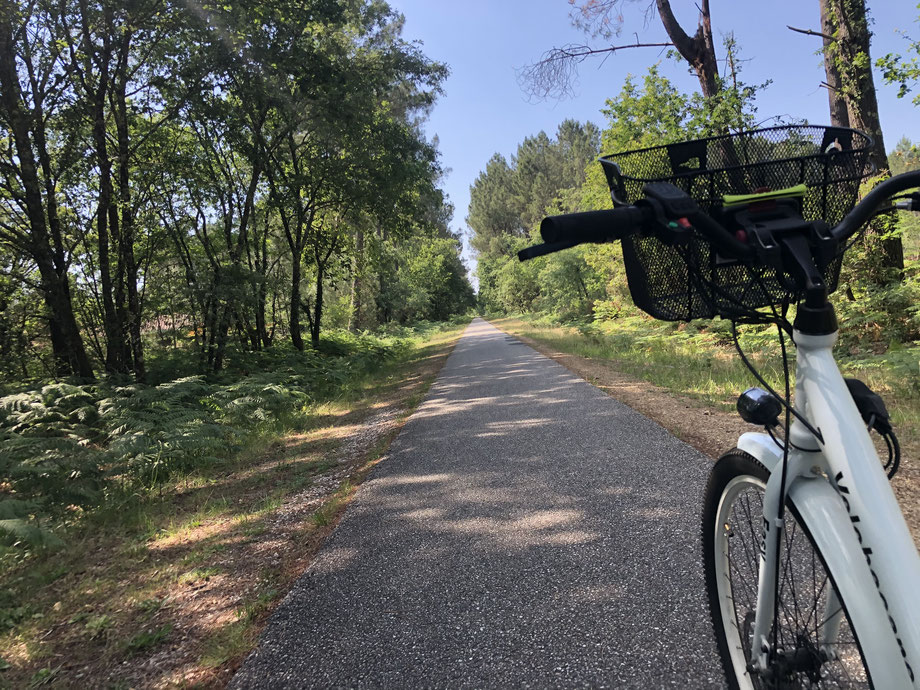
(800, 467)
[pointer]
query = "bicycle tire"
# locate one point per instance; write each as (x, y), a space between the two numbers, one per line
(732, 527)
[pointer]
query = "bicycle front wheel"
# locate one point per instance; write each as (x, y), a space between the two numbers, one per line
(815, 644)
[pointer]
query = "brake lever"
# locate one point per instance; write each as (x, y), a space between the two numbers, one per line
(909, 202)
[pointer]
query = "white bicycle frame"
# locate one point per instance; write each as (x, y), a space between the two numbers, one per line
(841, 492)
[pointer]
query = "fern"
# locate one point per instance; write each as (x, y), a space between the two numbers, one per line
(62, 443)
(24, 532)
(17, 527)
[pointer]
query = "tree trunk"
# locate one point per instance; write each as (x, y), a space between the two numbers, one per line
(257, 256)
(131, 325)
(223, 330)
(838, 105)
(296, 337)
(317, 307)
(211, 323)
(850, 52)
(105, 211)
(699, 51)
(67, 345)
(96, 69)
(261, 325)
(69, 352)
(354, 318)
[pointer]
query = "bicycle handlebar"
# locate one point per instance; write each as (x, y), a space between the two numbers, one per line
(721, 238)
(870, 203)
(570, 229)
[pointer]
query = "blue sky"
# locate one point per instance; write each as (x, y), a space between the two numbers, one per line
(484, 110)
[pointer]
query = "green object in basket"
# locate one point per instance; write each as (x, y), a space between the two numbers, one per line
(737, 199)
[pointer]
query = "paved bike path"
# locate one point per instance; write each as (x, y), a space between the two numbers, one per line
(525, 530)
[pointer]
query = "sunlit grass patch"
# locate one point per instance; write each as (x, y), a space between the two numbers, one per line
(197, 574)
(229, 642)
(147, 639)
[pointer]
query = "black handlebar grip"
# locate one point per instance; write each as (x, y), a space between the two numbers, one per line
(592, 226)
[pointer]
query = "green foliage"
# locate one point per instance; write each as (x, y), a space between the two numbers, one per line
(876, 317)
(67, 448)
(903, 71)
(507, 202)
(50, 447)
(517, 285)
(659, 113)
(568, 285)
(156, 431)
(96, 626)
(904, 157)
(426, 280)
(508, 199)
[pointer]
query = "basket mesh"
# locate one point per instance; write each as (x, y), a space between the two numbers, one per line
(690, 281)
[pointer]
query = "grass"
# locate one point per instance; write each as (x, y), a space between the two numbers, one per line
(697, 364)
(230, 642)
(147, 639)
(327, 513)
(197, 560)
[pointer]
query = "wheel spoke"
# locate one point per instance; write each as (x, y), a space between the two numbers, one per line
(803, 590)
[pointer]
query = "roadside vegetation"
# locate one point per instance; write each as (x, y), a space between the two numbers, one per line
(187, 509)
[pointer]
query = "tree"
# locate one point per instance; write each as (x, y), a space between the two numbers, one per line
(840, 116)
(492, 212)
(553, 75)
(904, 157)
(205, 179)
(846, 38)
(347, 147)
(116, 65)
(427, 280)
(508, 199)
(31, 100)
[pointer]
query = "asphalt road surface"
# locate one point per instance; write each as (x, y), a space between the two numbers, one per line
(525, 530)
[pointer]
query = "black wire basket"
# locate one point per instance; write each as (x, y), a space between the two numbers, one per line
(691, 281)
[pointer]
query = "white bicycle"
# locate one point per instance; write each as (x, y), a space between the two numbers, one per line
(812, 575)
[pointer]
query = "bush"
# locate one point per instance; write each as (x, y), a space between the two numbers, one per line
(874, 318)
(65, 445)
